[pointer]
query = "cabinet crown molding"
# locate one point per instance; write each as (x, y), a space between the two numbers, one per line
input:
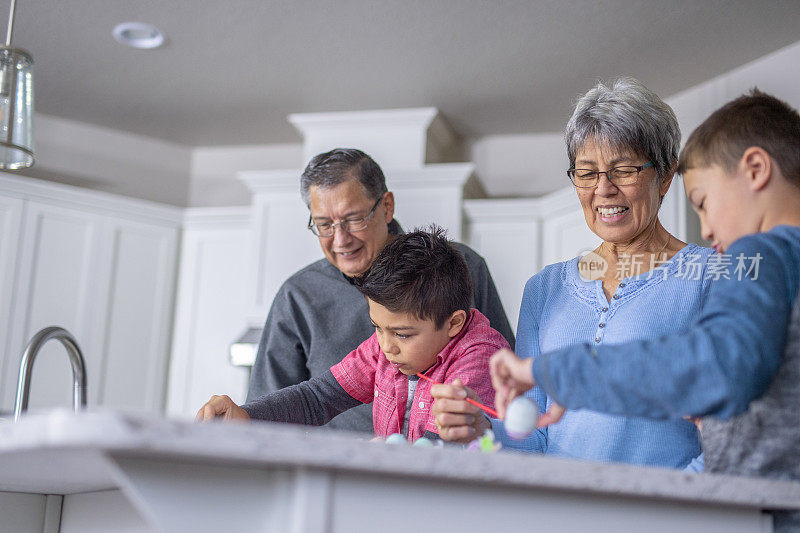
(217, 217)
(393, 137)
(418, 117)
(271, 181)
(521, 209)
(96, 201)
(436, 175)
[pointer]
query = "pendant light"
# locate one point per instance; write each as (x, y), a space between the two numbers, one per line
(16, 103)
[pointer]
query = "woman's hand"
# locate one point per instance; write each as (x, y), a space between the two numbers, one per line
(457, 420)
(552, 416)
(511, 377)
(221, 407)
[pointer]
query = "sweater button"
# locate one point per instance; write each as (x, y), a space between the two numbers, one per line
(601, 325)
(597, 339)
(605, 309)
(621, 285)
(376, 394)
(616, 296)
(422, 405)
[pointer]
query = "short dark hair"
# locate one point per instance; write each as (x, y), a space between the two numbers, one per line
(340, 164)
(753, 119)
(420, 273)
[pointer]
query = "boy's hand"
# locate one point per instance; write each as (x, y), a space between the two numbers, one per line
(697, 421)
(221, 407)
(457, 420)
(511, 377)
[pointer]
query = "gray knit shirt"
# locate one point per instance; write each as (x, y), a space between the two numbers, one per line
(765, 440)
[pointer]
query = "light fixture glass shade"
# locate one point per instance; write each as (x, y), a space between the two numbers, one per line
(16, 108)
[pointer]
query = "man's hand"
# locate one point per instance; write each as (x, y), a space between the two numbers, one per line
(221, 407)
(511, 377)
(456, 419)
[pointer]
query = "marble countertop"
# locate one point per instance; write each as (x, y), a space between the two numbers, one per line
(60, 452)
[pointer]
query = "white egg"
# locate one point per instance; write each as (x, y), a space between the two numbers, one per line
(522, 415)
(396, 438)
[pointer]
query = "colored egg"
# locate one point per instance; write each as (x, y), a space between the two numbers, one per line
(522, 415)
(424, 442)
(396, 438)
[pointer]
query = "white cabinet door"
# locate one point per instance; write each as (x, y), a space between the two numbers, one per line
(564, 230)
(281, 245)
(10, 224)
(566, 235)
(135, 315)
(212, 306)
(507, 234)
(419, 208)
(56, 285)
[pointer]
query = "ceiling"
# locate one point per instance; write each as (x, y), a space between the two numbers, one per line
(232, 70)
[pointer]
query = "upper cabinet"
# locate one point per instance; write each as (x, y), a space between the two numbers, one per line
(104, 268)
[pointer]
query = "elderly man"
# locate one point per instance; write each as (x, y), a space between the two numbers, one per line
(318, 316)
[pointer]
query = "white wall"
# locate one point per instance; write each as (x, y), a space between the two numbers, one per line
(214, 169)
(109, 160)
(777, 73)
(520, 165)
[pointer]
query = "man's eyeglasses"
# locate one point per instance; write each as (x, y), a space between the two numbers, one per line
(350, 225)
(585, 178)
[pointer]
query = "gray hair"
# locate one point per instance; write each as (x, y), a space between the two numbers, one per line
(341, 164)
(627, 115)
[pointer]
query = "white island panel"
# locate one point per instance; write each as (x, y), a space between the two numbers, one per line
(177, 476)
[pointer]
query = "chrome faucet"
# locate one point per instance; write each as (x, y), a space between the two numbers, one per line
(26, 366)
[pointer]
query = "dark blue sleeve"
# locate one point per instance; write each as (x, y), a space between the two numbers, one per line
(717, 367)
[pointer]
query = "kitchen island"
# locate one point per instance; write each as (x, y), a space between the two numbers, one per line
(107, 471)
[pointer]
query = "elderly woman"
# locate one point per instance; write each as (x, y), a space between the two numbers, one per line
(641, 281)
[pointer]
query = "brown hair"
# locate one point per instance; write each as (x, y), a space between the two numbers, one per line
(420, 273)
(754, 119)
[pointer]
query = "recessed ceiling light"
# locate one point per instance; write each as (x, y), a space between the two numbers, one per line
(138, 35)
